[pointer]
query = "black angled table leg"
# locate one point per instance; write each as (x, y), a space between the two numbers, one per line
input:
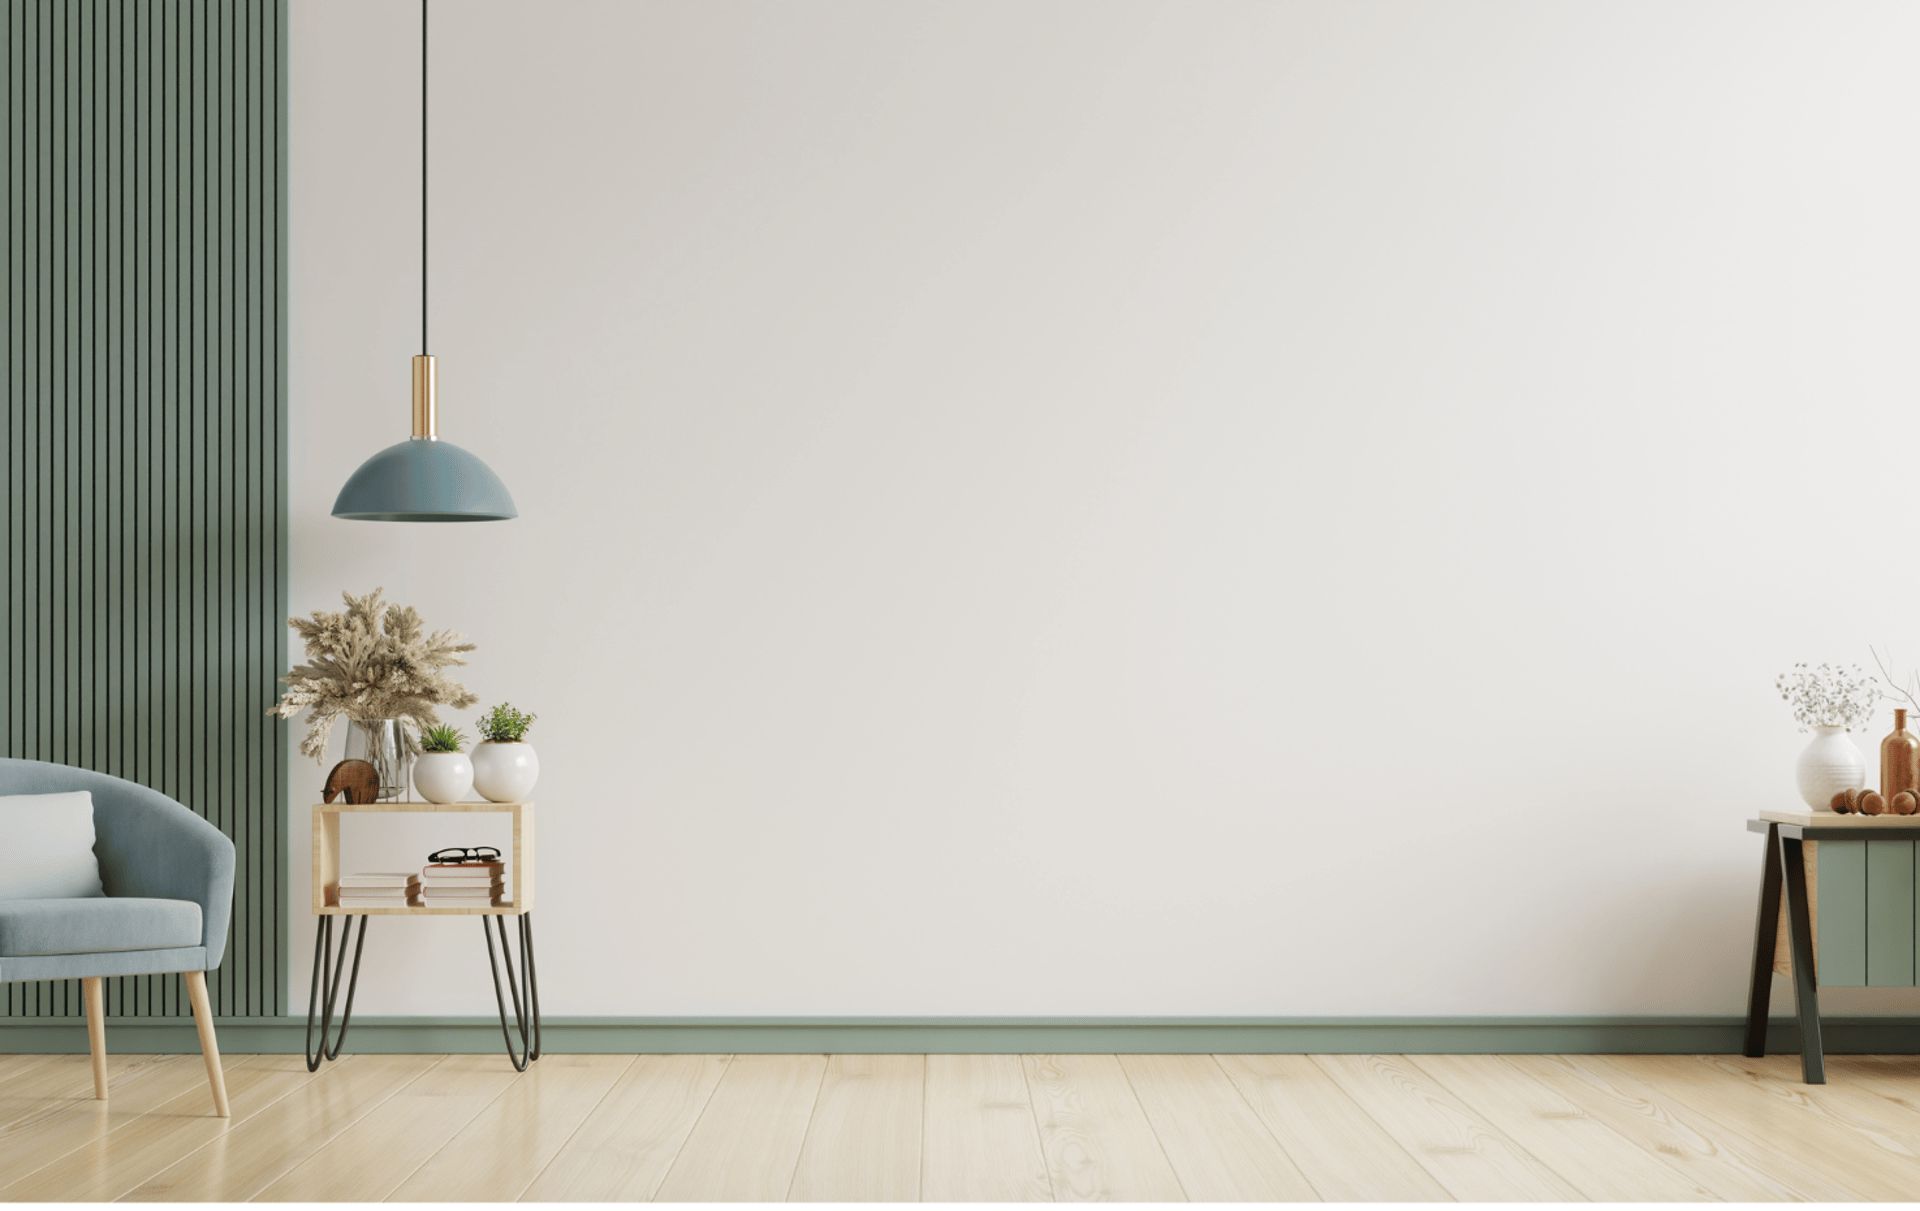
(1806, 985)
(1766, 937)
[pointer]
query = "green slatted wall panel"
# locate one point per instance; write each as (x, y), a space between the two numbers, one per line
(144, 504)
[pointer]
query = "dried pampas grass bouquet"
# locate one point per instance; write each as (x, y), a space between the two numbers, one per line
(372, 661)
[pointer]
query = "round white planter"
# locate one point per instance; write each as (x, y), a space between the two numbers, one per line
(505, 773)
(443, 777)
(1829, 765)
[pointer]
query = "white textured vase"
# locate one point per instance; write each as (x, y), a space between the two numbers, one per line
(1828, 766)
(443, 777)
(505, 773)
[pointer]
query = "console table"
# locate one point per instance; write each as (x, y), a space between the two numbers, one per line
(1863, 894)
(524, 992)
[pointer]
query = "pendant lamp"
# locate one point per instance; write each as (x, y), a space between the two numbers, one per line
(424, 478)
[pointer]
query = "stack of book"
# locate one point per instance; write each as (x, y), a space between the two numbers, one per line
(463, 884)
(380, 889)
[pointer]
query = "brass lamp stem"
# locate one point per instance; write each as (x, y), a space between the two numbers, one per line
(426, 412)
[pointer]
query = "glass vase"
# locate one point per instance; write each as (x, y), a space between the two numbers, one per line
(384, 743)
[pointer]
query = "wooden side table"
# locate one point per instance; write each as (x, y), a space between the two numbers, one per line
(524, 992)
(1848, 915)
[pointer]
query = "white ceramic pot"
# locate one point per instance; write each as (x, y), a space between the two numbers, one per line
(505, 773)
(1828, 766)
(443, 777)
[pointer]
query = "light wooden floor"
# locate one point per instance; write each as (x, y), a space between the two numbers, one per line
(965, 1127)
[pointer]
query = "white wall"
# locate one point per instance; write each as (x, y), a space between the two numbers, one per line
(1084, 507)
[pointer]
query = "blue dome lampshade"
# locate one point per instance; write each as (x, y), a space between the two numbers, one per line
(424, 478)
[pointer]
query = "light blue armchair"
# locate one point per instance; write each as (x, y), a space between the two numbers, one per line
(168, 878)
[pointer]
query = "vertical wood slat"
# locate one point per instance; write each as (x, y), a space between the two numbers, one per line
(143, 511)
(1890, 914)
(1842, 931)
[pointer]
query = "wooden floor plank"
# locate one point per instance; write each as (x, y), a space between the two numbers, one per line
(135, 1085)
(1344, 1154)
(1219, 1148)
(1097, 1142)
(1893, 1077)
(12, 1066)
(1473, 1160)
(980, 1141)
(497, 1155)
(370, 1159)
(863, 1143)
(745, 1146)
(978, 1128)
(63, 1078)
(1598, 1161)
(1885, 1123)
(622, 1152)
(239, 1163)
(1710, 1155)
(111, 1165)
(1772, 1125)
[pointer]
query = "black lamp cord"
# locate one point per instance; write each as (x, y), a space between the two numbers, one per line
(423, 176)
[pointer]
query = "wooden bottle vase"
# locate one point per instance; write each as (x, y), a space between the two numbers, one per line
(1899, 759)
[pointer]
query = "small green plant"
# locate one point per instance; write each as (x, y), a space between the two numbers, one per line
(442, 738)
(504, 725)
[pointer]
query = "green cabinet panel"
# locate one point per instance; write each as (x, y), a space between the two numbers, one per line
(143, 528)
(1842, 939)
(1890, 914)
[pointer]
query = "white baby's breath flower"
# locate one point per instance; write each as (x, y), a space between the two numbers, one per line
(1829, 695)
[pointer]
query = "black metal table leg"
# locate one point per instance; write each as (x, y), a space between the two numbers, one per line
(1806, 985)
(1766, 937)
(533, 981)
(322, 960)
(329, 1049)
(526, 1008)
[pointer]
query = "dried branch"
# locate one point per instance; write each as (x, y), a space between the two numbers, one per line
(1911, 693)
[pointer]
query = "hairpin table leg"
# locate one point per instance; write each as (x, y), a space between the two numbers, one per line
(533, 981)
(526, 1009)
(322, 960)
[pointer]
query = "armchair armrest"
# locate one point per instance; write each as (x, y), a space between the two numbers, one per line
(161, 849)
(147, 844)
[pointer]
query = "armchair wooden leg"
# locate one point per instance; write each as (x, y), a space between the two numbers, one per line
(96, 1032)
(209, 1046)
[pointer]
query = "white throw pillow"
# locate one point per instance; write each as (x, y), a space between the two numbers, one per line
(46, 847)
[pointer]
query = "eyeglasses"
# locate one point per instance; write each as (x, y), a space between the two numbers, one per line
(458, 855)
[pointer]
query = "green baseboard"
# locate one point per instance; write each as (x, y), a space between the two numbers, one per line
(907, 1036)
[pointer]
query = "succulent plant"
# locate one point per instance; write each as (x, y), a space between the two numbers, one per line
(442, 738)
(504, 725)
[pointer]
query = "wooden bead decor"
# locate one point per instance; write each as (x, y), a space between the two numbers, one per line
(1872, 803)
(354, 778)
